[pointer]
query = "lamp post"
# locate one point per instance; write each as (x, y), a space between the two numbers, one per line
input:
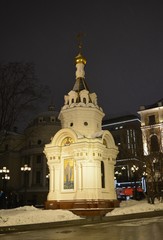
(134, 170)
(25, 169)
(118, 175)
(5, 178)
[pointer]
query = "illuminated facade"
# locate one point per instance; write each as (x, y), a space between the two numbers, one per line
(81, 156)
(152, 134)
(152, 127)
(126, 131)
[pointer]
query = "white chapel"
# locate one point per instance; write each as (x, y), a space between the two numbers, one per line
(81, 156)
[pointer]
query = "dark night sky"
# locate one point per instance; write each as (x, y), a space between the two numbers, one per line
(123, 45)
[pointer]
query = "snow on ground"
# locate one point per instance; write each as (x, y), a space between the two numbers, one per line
(133, 206)
(31, 215)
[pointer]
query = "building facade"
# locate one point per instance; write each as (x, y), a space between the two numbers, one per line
(22, 155)
(152, 127)
(127, 135)
(152, 135)
(10, 164)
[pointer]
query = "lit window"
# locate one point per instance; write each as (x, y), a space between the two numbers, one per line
(128, 139)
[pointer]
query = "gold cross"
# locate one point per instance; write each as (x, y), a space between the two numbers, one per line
(79, 41)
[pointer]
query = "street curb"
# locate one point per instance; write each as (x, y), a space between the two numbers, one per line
(79, 222)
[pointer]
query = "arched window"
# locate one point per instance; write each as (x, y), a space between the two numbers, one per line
(102, 175)
(104, 142)
(154, 146)
(84, 100)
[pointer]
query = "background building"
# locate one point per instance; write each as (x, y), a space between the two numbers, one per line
(22, 155)
(152, 127)
(10, 163)
(152, 134)
(127, 135)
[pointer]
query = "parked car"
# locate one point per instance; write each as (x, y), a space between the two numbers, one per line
(125, 193)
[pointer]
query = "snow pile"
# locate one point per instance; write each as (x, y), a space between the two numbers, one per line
(133, 206)
(30, 215)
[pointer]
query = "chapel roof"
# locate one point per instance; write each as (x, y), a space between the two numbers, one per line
(80, 84)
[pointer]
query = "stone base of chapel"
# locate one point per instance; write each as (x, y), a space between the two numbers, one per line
(84, 207)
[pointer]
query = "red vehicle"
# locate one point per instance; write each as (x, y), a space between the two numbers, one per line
(129, 192)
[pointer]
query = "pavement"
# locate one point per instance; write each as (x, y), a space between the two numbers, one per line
(83, 221)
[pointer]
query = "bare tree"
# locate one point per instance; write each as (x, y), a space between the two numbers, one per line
(154, 175)
(19, 89)
(152, 159)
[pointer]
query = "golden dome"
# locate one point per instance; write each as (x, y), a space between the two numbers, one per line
(80, 59)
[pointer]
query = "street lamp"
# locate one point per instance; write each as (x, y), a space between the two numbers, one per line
(118, 173)
(48, 176)
(26, 169)
(134, 170)
(5, 178)
(4, 170)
